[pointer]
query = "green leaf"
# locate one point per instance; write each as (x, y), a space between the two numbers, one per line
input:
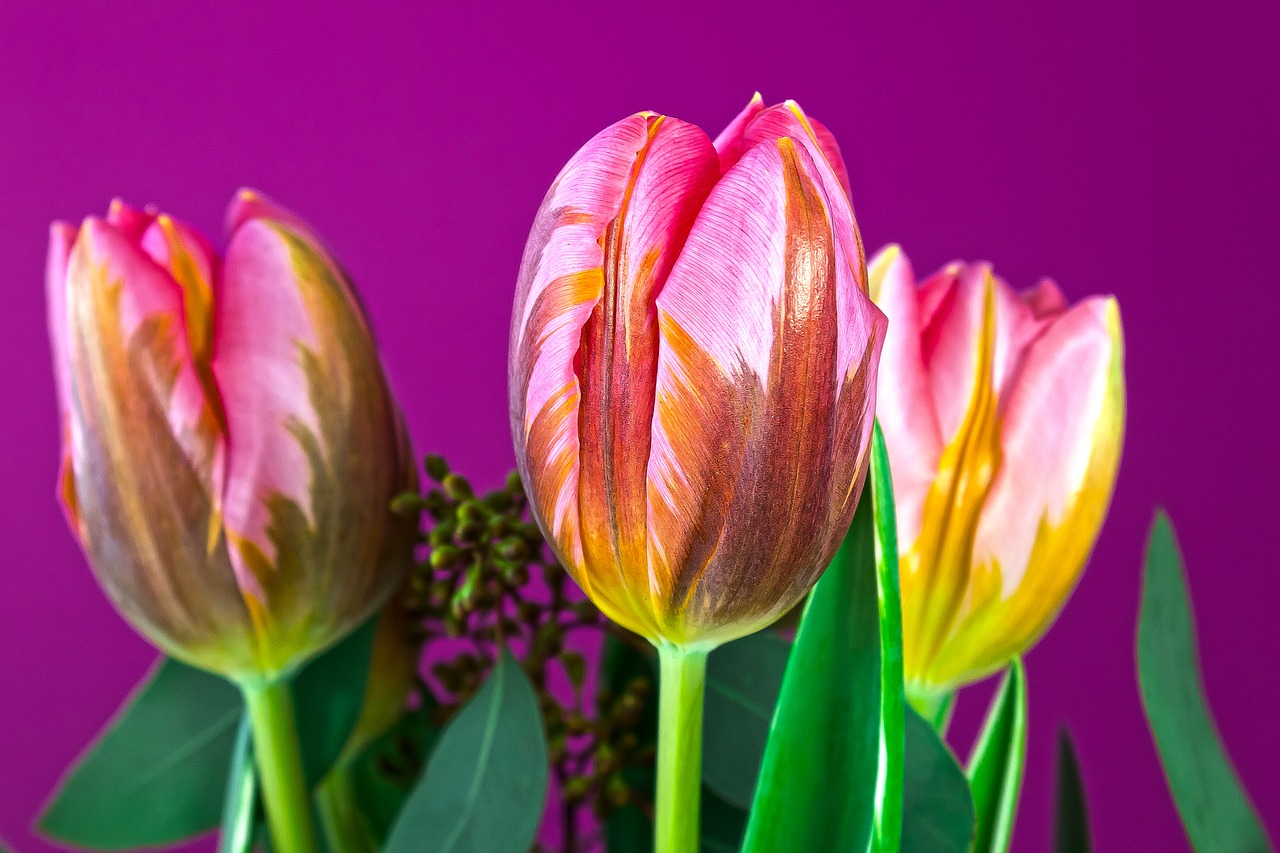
(629, 829)
(240, 804)
(721, 826)
(327, 695)
(1215, 809)
(485, 785)
(888, 811)
(743, 680)
(158, 772)
(937, 809)
(997, 762)
(1071, 818)
(816, 790)
(385, 773)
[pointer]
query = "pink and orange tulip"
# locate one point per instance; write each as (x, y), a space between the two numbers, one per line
(1003, 414)
(231, 445)
(692, 370)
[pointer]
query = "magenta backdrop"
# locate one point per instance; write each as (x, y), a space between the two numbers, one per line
(1119, 147)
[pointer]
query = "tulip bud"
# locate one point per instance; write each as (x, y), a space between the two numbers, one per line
(231, 446)
(1003, 414)
(692, 370)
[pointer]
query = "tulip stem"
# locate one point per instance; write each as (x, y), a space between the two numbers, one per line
(680, 695)
(284, 786)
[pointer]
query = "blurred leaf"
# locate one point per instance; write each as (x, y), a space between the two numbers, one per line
(158, 772)
(743, 680)
(629, 829)
(327, 695)
(1215, 809)
(888, 811)
(721, 826)
(1071, 818)
(484, 787)
(937, 809)
(817, 784)
(240, 803)
(385, 773)
(997, 762)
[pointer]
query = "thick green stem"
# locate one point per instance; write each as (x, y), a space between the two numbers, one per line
(284, 788)
(680, 696)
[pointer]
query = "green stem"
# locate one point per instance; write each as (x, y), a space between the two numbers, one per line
(284, 788)
(936, 708)
(680, 694)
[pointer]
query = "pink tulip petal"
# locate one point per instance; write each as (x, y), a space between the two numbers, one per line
(314, 444)
(262, 328)
(1061, 435)
(948, 342)
(905, 400)
(61, 238)
(129, 221)
(787, 119)
(149, 295)
(1045, 299)
(599, 250)
(729, 144)
(749, 313)
(1047, 435)
(619, 349)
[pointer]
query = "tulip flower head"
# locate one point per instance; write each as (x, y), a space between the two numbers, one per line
(1003, 414)
(692, 369)
(231, 446)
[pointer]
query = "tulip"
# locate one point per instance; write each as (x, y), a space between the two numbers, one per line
(231, 447)
(1003, 415)
(692, 369)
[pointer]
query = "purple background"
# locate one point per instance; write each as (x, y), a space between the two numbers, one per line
(1113, 146)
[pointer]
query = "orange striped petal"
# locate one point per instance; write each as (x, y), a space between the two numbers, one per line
(764, 399)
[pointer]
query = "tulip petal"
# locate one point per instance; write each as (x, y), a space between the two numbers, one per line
(1045, 299)
(953, 302)
(1062, 428)
(748, 315)
(309, 425)
(904, 400)
(129, 221)
(584, 337)
(142, 469)
(787, 119)
(730, 143)
(61, 238)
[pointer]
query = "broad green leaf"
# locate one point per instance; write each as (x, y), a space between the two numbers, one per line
(888, 810)
(327, 695)
(158, 772)
(937, 809)
(240, 804)
(817, 784)
(721, 826)
(997, 762)
(1071, 817)
(628, 829)
(743, 680)
(484, 787)
(1215, 808)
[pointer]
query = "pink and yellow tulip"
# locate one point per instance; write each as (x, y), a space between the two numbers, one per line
(231, 445)
(1003, 414)
(692, 369)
